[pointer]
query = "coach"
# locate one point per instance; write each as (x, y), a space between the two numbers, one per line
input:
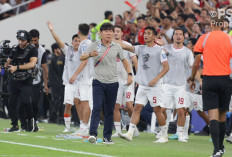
(216, 48)
(105, 82)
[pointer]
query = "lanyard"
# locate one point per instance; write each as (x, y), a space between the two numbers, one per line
(107, 50)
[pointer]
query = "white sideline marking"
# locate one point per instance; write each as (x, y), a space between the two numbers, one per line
(58, 149)
(40, 136)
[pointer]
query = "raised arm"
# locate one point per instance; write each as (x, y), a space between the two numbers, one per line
(128, 70)
(55, 36)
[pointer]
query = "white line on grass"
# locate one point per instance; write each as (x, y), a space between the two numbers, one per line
(58, 149)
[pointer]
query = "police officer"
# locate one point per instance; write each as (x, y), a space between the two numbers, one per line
(21, 64)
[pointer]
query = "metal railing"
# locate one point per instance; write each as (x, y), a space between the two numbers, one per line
(17, 7)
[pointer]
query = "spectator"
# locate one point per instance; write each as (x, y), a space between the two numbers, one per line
(196, 30)
(4, 6)
(17, 2)
(141, 26)
(167, 30)
(181, 21)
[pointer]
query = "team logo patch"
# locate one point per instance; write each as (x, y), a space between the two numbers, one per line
(164, 56)
(84, 48)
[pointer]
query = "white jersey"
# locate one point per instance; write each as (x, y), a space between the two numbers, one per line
(88, 71)
(41, 51)
(72, 62)
(122, 74)
(179, 61)
(150, 61)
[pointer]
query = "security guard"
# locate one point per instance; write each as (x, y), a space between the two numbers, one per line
(21, 65)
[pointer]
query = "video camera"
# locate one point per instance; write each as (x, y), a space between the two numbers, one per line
(5, 51)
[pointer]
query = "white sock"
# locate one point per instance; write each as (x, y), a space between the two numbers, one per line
(67, 122)
(163, 131)
(180, 131)
(118, 127)
(168, 112)
(131, 129)
(186, 125)
(85, 126)
(81, 124)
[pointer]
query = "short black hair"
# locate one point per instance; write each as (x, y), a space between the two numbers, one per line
(75, 36)
(152, 29)
(106, 26)
(117, 26)
(182, 4)
(54, 46)
(34, 33)
(140, 18)
(178, 28)
(183, 17)
(192, 16)
(168, 17)
(84, 28)
(93, 24)
(107, 14)
(119, 16)
(193, 41)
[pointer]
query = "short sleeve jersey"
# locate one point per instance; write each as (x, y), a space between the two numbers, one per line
(122, 74)
(106, 70)
(216, 48)
(72, 62)
(150, 61)
(179, 61)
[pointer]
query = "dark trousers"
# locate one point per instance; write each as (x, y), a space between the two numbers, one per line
(22, 90)
(108, 93)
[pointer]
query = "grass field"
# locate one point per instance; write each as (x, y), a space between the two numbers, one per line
(45, 144)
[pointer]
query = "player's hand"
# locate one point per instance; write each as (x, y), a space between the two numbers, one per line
(50, 26)
(46, 90)
(153, 82)
(192, 85)
(129, 80)
(12, 68)
(160, 41)
(72, 79)
(94, 53)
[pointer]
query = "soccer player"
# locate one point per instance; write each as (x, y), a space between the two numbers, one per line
(72, 63)
(125, 93)
(180, 58)
(216, 48)
(152, 66)
(85, 80)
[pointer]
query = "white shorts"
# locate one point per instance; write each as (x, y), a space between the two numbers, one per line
(85, 90)
(70, 92)
(125, 93)
(152, 94)
(194, 101)
(174, 96)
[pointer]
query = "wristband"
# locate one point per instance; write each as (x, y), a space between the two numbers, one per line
(17, 67)
(130, 74)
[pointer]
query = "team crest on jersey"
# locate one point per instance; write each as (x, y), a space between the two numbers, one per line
(164, 56)
(84, 48)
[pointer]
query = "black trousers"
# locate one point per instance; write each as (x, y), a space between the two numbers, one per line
(22, 90)
(35, 95)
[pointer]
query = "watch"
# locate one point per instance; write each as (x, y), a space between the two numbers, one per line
(130, 74)
(17, 67)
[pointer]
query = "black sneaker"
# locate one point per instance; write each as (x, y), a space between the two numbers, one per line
(204, 132)
(107, 140)
(30, 125)
(217, 154)
(14, 129)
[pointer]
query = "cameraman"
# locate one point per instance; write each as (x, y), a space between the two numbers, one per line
(20, 64)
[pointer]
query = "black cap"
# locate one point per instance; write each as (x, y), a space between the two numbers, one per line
(23, 35)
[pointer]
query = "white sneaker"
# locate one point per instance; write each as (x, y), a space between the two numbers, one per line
(66, 130)
(186, 136)
(182, 139)
(125, 136)
(115, 135)
(158, 136)
(162, 140)
(136, 132)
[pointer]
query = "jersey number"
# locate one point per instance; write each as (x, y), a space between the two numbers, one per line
(154, 100)
(181, 101)
(128, 95)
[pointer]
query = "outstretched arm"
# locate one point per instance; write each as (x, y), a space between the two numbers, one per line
(55, 36)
